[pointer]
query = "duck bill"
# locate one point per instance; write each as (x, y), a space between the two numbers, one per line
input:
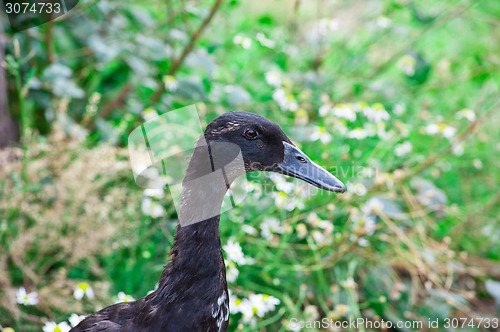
(297, 164)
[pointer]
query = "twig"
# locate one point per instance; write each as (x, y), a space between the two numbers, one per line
(114, 103)
(413, 205)
(184, 16)
(442, 19)
(492, 203)
(470, 129)
(404, 238)
(48, 42)
(176, 63)
(415, 169)
(292, 22)
(9, 130)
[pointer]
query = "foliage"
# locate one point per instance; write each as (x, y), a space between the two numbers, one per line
(398, 98)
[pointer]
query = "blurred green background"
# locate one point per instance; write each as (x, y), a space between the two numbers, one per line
(398, 98)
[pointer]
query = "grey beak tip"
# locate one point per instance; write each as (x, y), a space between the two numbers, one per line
(341, 189)
(338, 188)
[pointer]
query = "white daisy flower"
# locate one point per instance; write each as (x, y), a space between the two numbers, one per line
(293, 326)
(260, 304)
(270, 302)
(478, 164)
(301, 230)
(363, 242)
(23, 297)
(311, 312)
(432, 129)
(243, 41)
(357, 188)
(234, 252)
(152, 208)
(249, 229)
(149, 114)
(247, 310)
(264, 41)
(348, 284)
(403, 149)
(364, 224)
(399, 108)
(467, 114)
(122, 297)
(257, 304)
(341, 310)
(285, 100)
(281, 183)
(95, 98)
(54, 327)
(383, 22)
(339, 127)
(83, 289)
(154, 192)
(232, 271)
(313, 219)
(407, 64)
(234, 303)
(269, 227)
(273, 78)
(321, 134)
(283, 200)
(324, 110)
(440, 128)
(320, 238)
(326, 25)
(170, 83)
(376, 113)
(326, 225)
(458, 149)
(449, 132)
(357, 133)
(344, 111)
(372, 207)
(75, 319)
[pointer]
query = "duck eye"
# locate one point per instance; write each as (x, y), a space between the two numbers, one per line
(251, 134)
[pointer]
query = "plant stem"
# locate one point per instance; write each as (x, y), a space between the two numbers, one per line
(177, 62)
(25, 119)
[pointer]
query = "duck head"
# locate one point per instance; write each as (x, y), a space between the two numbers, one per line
(263, 146)
(234, 144)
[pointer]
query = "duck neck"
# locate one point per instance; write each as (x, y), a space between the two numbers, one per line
(196, 259)
(197, 263)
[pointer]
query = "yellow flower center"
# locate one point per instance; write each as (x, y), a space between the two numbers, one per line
(168, 79)
(83, 286)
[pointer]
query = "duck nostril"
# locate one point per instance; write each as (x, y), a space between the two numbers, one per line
(301, 159)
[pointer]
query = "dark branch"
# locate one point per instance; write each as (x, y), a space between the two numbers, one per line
(176, 64)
